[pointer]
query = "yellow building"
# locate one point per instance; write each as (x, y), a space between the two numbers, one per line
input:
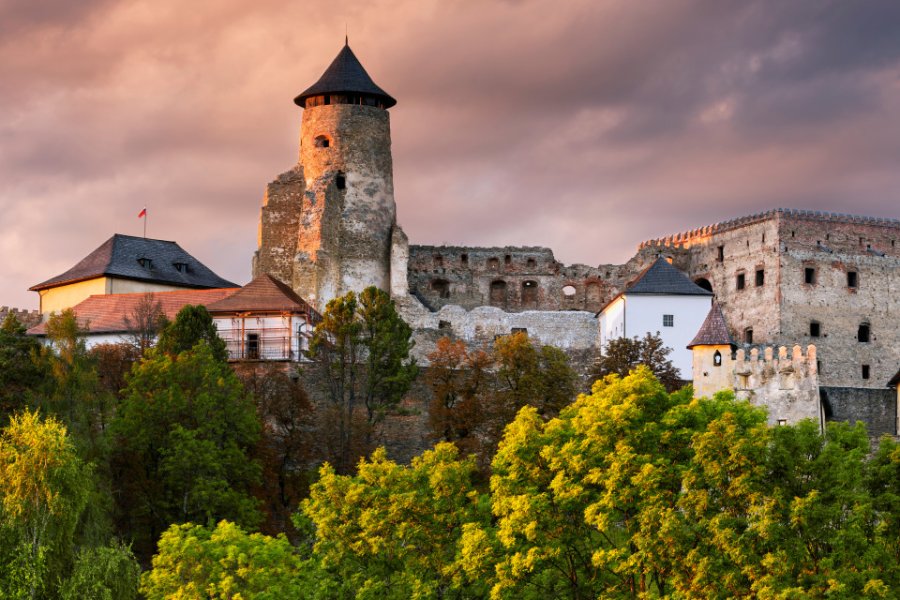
(127, 264)
(712, 350)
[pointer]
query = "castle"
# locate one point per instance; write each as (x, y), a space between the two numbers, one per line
(781, 277)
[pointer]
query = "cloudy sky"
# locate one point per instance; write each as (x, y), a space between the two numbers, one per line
(586, 126)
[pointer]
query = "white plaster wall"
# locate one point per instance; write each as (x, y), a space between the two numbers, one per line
(612, 321)
(644, 314)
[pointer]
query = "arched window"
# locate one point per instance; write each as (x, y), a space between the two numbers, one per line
(530, 263)
(863, 333)
(529, 293)
(704, 283)
(498, 293)
(322, 141)
(441, 287)
(717, 359)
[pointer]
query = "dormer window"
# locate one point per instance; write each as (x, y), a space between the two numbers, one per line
(181, 267)
(145, 263)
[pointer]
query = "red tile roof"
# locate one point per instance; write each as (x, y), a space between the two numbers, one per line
(106, 313)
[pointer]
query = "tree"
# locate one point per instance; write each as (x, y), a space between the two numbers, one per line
(44, 487)
(622, 355)
(393, 531)
(196, 562)
(192, 324)
(103, 573)
(532, 376)
(21, 371)
(362, 349)
(145, 322)
(184, 434)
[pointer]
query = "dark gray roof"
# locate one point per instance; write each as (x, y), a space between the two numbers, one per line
(714, 331)
(663, 278)
(121, 256)
(345, 75)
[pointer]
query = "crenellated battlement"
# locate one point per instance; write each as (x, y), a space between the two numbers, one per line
(786, 381)
(28, 318)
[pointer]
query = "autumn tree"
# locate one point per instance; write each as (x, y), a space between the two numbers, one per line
(184, 434)
(145, 322)
(362, 349)
(192, 324)
(530, 375)
(622, 355)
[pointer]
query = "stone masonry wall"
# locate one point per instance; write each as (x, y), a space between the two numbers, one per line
(28, 318)
(876, 408)
(785, 383)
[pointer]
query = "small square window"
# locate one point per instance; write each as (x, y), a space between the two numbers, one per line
(782, 422)
(760, 277)
(668, 320)
(740, 281)
(852, 279)
(809, 275)
(865, 371)
(815, 329)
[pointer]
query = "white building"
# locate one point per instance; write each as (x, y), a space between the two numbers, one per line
(661, 300)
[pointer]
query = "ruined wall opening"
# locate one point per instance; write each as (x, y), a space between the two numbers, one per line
(809, 275)
(852, 279)
(441, 287)
(704, 283)
(529, 293)
(740, 281)
(748, 335)
(340, 181)
(531, 263)
(863, 333)
(592, 292)
(498, 293)
(322, 141)
(569, 291)
(760, 277)
(493, 263)
(815, 329)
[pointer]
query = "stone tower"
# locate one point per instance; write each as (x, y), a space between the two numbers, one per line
(326, 225)
(712, 348)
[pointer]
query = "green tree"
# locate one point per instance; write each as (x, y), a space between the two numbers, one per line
(192, 324)
(184, 432)
(362, 348)
(200, 563)
(103, 573)
(44, 487)
(393, 531)
(20, 370)
(529, 375)
(622, 355)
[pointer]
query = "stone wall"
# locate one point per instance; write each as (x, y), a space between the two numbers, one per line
(876, 408)
(28, 318)
(785, 383)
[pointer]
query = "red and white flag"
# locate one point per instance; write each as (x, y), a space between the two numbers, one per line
(143, 212)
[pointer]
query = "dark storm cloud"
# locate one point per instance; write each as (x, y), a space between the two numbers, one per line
(583, 125)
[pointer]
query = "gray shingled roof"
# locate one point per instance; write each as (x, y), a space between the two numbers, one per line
(714, 331)
(662, 278)
(120, 256)
(345, 75)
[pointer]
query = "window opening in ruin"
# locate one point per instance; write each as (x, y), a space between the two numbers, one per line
(340, 181)
(862, 334)
(782, 422)
(498, 293)
(464, 259)
(764, 238)
(748, 336)
(443, 324)
(252, 346)
(852, 279)
(493, 263)
(809, 275)
(819, 366)
(815, 329)
(704, 283)
(865, 371)
(668, 320)
(592, 292)
(441, 287)
(321, 141)
(438, 260)
(530, 263)
(507, 260)
(760, 277)
(721, 254)
(740, 281)
(529, 293)
(568, 291)
(522, 330)
(717, 359)
(827, 236)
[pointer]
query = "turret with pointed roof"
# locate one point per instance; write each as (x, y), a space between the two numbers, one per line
(345, 81)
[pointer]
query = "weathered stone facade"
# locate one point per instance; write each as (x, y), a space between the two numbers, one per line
(28, 318)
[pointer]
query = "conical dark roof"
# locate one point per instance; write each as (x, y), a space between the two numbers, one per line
(662, 278)
(714, 331)
(345, 75)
